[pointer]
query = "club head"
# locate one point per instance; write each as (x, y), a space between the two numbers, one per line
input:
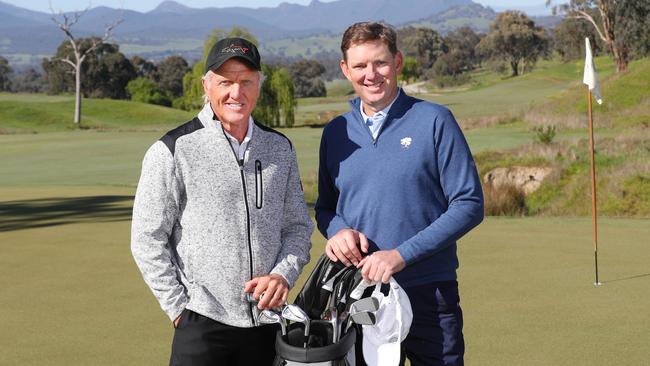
(365, 304)
(363, 318)
(271, 317)
(296, 314)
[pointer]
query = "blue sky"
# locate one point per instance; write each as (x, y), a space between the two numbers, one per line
(533, 7)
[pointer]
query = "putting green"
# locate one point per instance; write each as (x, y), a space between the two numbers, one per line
(71, 293)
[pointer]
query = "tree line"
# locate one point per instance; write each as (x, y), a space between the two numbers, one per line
(513, 44)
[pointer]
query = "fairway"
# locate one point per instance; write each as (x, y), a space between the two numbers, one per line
(73, 296)
(114, 158)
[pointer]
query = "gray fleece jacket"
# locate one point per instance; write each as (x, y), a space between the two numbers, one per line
(204, 223)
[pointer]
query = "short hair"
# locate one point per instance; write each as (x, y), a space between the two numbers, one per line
(363, 32)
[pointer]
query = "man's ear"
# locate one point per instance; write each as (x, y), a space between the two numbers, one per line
(205, 86)
(345, 69)
(399, 62)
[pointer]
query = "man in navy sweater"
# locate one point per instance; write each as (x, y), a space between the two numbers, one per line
(397, 187)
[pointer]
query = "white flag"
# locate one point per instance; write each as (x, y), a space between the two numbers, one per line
(591, 78)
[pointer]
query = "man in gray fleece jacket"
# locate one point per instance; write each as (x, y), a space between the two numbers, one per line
(219, 212)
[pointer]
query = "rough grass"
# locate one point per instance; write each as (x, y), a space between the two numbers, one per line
(622, 169)
(504, 200)
(626, 101)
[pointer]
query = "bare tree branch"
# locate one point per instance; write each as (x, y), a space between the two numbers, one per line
(67, 60)
(584, 15)
(65, 25)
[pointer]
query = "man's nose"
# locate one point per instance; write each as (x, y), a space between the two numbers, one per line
(235, 90)
(371, 71)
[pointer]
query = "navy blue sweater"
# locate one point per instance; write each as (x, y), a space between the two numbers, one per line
(415, 188)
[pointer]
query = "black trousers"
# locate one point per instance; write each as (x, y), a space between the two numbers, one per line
(201, 341)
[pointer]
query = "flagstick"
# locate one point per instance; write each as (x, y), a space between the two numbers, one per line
(593, 187)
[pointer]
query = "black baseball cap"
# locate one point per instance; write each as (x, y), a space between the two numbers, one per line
(228, 48)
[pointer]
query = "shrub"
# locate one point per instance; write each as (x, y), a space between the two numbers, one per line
(504, 200)
(145, 91)
(544, 134)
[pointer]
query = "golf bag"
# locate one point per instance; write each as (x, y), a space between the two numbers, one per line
(326, 299)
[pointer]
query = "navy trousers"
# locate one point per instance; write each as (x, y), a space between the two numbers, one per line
(436, 334)
(201, 341)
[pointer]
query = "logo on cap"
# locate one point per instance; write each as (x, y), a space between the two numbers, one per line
(233, 48)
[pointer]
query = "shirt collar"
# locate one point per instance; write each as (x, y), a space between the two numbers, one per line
(380, 114)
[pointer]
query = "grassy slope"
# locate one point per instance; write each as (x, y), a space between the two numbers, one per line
(622, 147)
(41, 113)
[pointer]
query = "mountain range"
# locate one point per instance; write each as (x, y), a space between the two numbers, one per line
(172, 28)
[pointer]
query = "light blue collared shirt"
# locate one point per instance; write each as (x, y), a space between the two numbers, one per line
(375, 122)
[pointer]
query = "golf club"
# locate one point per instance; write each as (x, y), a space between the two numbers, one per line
(361, 287)
(365, 304)
(329, 284)
(296, 314)
(271, 317)
(361, 318)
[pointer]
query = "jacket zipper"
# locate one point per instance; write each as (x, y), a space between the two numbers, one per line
(259, 188)
(248, 219)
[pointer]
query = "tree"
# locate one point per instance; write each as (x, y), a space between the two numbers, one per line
(104, 73)
(306, 76)
(5, 71)
(146, 91)
(569, 38)
(462, 48)
(28, 81)
(282, 87)
(423, 44)
(605, 24)
(410, 70)
(169, 75)
(514, 38)
(276, 104)
(108, 72)
(143, 68)
(634, 18)
(65, 25)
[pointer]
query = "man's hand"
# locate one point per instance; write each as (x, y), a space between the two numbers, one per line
(381, 265)
(176, 321)
(274, 287)
(343, 247)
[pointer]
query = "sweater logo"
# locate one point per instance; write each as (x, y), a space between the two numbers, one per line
(406, 142)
